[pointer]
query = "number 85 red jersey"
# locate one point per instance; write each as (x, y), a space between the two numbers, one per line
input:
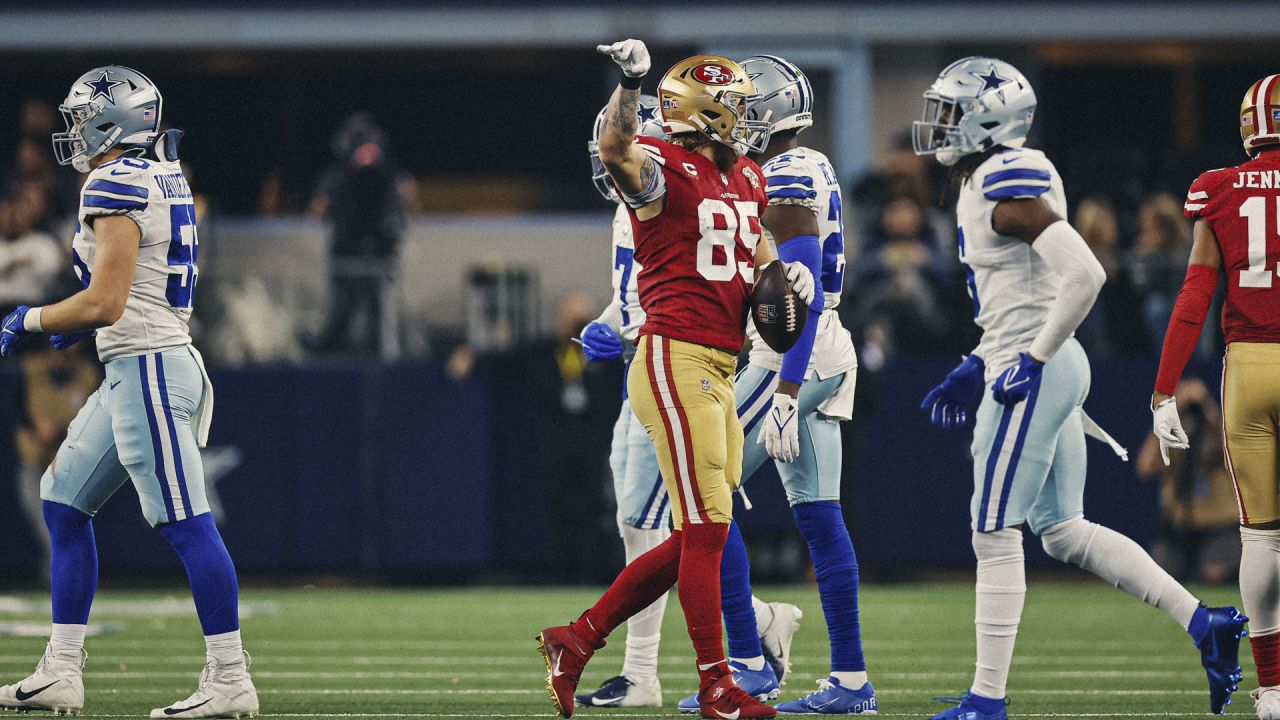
(1242, 206)
(698, 254)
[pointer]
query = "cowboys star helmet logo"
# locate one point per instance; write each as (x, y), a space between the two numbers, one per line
(993, 80)
(104, 87)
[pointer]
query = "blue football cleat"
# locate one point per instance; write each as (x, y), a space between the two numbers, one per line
(966, 708)
(834, 699)
(1220, 654)
(762, 684)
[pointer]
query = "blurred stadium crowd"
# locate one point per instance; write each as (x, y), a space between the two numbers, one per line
(906, 295)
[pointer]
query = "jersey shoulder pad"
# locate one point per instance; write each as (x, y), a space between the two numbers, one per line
(117, 188)
(660, 150)
(1202, 189)
(790, 179)
(1020, 173)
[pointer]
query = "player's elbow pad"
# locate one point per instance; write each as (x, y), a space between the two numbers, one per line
(807, 250)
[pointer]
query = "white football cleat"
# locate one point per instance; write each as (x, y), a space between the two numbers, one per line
(225, 691)
(1266, 701)
(57, 685)
(777, 636)
(623, 692)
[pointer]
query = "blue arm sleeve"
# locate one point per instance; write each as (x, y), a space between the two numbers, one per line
(805, 249)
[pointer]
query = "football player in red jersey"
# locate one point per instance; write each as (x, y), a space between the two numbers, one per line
(695, 205)
(1237, 231)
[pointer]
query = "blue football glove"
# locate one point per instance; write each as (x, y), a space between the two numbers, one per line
(600, 343)
(947, 403)
(62, 341)
(12, 330)
(1014, 384)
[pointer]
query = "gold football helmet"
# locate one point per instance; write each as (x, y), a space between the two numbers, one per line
(1260, 114)
(709, 94)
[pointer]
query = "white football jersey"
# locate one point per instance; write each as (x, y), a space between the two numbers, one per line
(1011, 285)
(805, 177)
(625, 271)
(155, 195)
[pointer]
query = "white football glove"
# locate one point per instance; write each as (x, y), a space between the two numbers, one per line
(780, 433)
(800, 279)
(630, 55)
(1167, 427)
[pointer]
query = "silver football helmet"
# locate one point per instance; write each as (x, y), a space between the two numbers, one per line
(650, 126)
(975, 104)
(785, 98)
(107, 106)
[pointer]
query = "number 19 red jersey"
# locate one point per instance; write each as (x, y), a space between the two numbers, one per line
(1242, 206)
(698, 254)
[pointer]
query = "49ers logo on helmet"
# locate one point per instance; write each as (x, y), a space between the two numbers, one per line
(713, 74)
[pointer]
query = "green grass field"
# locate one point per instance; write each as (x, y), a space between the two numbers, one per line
(1085, 650)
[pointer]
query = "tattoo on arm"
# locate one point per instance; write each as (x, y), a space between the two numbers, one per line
(647, 171)
(623, 110)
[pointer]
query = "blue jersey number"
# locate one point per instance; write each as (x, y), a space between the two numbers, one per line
(623, 262)
(833, 249)
(183, 247)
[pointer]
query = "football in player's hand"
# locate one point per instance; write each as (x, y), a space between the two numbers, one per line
(779, 314)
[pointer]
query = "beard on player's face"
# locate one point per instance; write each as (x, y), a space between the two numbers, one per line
(722, 155)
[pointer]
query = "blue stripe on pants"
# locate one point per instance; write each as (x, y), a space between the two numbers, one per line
(755, 394)
(992, 459)
(1017, 454)
(173, 437)
(648, 504)
(662, 509)
(155, 439)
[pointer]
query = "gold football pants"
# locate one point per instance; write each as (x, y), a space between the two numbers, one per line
(1250, 415)
(683, 395)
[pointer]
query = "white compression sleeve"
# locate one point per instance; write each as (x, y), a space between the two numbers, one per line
(1081, 277)
(1121, 562)
(644, 629)
(1260, 579)
(1001, 591)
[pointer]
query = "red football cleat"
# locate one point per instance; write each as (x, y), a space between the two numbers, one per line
(724, 700)
(566, 654)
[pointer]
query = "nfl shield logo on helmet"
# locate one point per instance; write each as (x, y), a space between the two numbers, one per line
(1246, 120)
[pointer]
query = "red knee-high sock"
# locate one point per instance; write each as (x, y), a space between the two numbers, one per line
(1266, 655)
(700, 596)
(639, 584)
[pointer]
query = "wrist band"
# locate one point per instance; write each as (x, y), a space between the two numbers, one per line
(31, 322)
(630, 83)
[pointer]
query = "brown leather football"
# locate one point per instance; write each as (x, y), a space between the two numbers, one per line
(779, 314)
